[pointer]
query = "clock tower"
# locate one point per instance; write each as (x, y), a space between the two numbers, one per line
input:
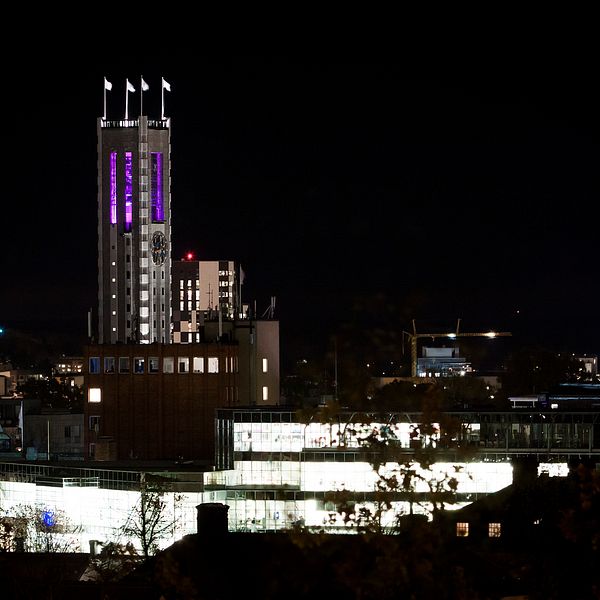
(134, 230)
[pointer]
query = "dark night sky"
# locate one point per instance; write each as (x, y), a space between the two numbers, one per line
(335, 182)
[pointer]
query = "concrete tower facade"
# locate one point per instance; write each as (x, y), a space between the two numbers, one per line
(134, 231)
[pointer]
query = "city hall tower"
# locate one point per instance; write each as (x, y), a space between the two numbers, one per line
(134, 227)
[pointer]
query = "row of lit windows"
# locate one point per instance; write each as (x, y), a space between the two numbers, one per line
(197, 364)
(494, 530)
(189, 295)
(189, 283)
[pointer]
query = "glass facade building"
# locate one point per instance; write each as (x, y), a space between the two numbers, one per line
(275, 470)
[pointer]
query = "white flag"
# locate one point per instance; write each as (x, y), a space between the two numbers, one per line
(242, 275)
(107, 84)
(130, 87)
(145, 87)
(166, 85)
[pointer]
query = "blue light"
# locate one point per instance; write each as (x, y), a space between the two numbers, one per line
(49, 518)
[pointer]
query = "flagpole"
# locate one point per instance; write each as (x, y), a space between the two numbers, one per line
(162, 101)
(141, 95)
(104, 119)
(126, 98)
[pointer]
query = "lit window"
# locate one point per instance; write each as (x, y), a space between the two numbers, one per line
(265, 364)
(184, 364)
(198, 364)
(213, 364)
(494, 530)
(168, 364)
(265, 393)
(94, 364)
(181, 284)
(153, 364)
(128, 190)
(94, 423)
(462, 530)
(95, 395)
(138, 365)
(113, 187)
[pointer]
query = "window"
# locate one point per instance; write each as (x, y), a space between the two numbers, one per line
(265, 393)
(168, 364)
(462, 530)
(123, 364)
(265, 365)
(113, 188)
(153, 364)
(156, 191)
(198, 364)
(184, 364)
(138, 364)
(109, 364)
(95, 395)
(94, 423)
(494, 530)
(92, 450)
(213, 364)
(94, 364)
(73, 433)
(128, 191)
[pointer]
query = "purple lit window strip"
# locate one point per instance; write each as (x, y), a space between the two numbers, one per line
(113, 187)
(128, 190)
(156, 191)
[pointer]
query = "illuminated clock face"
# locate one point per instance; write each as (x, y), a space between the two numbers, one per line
(159, 248)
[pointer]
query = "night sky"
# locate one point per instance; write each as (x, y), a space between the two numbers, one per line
(349, 189)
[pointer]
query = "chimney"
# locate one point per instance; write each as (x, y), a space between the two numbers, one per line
(212, 519)
(524, 471)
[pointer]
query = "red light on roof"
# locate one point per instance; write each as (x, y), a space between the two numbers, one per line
(189, 256)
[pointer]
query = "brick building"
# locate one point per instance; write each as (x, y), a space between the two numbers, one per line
(157, 401)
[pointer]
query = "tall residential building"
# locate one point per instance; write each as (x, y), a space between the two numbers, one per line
(207, 309)
(134, 231)
(201, 286)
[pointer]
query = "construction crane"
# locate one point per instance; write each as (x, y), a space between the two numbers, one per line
(414, 336)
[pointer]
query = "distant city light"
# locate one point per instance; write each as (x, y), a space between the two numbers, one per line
(189, 255)
(491, 334)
